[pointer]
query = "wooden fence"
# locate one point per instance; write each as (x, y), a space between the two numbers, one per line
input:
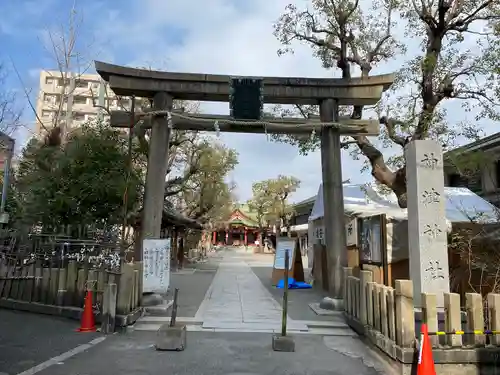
(56, 272)
(67, 286)
(388, 318)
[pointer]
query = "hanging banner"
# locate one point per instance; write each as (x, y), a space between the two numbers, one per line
(370, 237)
(351, 232)
(156, 265)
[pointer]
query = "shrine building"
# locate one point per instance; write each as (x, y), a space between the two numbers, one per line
(242, 228)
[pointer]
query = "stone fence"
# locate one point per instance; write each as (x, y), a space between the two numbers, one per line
(388, 318)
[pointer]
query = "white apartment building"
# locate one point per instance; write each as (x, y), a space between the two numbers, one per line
(83, 96)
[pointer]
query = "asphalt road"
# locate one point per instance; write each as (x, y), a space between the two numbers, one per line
(27, 340)
(211, 354)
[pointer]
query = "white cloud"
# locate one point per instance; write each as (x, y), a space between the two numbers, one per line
(225, 37)
(221, 37)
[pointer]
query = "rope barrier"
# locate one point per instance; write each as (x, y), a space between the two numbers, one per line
(170, 114)
(456, 332)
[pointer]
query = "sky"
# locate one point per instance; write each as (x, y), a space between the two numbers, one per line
(231, 37)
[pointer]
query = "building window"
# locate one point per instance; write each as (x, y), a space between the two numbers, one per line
(123, 102)
(473, 182)
(46, 114)
(82, 84)
(49, 80)
(78, 116)
(80, 100)
(455, 180)
(497, 174)
(63, 82)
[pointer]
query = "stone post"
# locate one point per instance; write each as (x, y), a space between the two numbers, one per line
(333, 201)
(429, 315)
(405, 316)
(109, 308)
(453, 318)
(347, 272)
(494, 317)
(475, 318)
(364, 278)
(427, 237)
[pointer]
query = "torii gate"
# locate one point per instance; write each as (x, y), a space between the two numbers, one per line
(329, 93)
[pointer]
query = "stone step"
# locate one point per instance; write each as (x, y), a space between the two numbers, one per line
(254, 325)
(166, 319)
(323, 324)
(159, 310)
(332, 331)
(324, 312)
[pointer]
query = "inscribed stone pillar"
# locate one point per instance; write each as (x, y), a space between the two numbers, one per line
(427, 236)
(333, 201)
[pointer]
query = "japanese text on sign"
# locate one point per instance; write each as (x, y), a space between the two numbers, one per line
(156, 265)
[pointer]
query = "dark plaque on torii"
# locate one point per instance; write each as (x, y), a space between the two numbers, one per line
(246, 100)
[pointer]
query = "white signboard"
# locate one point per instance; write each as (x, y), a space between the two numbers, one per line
(156, 265)
(351, 232)
(284, 245)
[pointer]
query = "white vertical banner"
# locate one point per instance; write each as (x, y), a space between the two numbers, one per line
(351, 232)
(156, 265)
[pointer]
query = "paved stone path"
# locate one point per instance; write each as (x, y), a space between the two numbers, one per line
(238, 300)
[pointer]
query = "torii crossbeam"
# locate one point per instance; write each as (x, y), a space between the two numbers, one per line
(268, 125)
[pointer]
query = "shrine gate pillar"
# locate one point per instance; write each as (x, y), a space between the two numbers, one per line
(333, 200)
(154, 195)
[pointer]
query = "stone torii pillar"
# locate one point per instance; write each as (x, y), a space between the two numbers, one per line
(333, 201)
(154, 194)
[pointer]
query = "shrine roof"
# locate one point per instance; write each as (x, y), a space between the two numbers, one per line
(244, 216)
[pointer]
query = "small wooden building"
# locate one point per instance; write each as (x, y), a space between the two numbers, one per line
(388, 259)
(173, 225)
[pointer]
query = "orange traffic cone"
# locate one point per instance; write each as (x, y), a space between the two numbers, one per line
(425, 360)
(88, 322)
